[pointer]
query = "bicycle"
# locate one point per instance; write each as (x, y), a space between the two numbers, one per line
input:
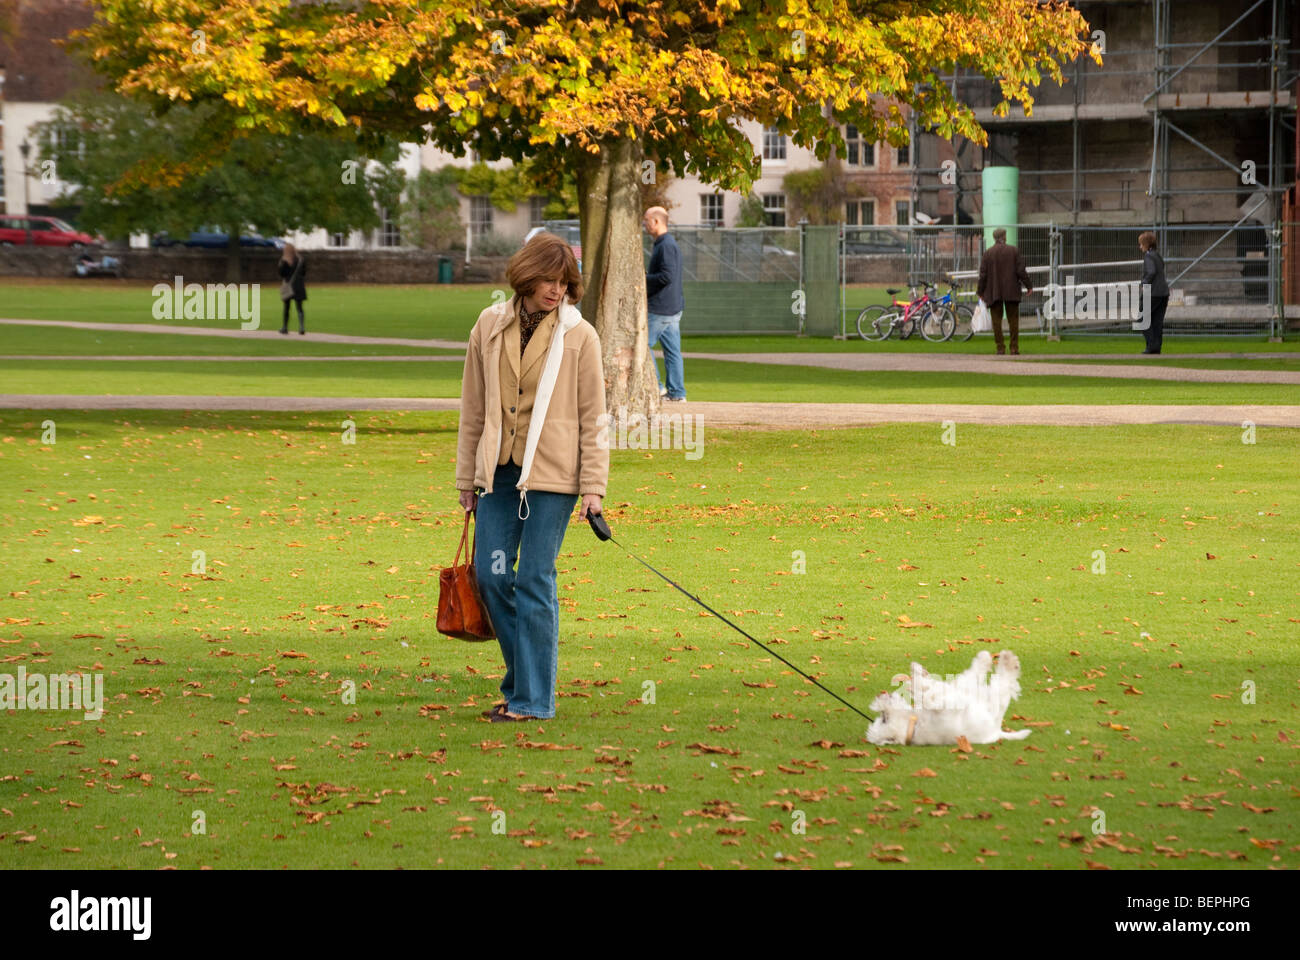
(880, 322)
(961, 313)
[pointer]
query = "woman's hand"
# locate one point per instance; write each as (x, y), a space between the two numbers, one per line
(590, 504)
(469, 500)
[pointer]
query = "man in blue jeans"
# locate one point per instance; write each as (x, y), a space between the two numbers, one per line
(663, 284)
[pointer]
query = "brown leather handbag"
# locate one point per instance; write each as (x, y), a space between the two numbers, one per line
(461, 611)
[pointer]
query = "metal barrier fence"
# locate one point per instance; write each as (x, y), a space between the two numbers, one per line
(739, 280)
(814, 280)
(1223, 278)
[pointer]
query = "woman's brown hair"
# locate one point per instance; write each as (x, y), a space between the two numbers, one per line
(544, 258)
(1147, 240)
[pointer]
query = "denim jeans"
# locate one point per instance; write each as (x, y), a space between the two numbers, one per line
(522, 602)
(665, 330)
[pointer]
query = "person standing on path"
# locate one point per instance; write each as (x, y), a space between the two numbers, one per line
(1002, 273)
(1153, 277)
(530, 441)
(663, 285)
(292, 285)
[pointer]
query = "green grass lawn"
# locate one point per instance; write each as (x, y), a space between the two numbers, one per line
(706, 380)
(426, 311)
(1288, 362)
(448, 312)
(223, 688)
(982, 344)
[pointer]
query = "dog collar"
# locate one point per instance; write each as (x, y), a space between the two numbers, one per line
(911, 729)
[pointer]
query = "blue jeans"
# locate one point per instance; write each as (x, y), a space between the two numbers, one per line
(665, 330)
(522, 603)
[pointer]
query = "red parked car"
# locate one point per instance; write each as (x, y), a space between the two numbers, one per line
(43, 232)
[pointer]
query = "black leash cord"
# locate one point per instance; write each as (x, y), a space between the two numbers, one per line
(601, 529)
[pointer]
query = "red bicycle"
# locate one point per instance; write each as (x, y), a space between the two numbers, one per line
(936, 320)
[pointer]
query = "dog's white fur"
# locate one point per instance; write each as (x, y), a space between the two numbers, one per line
(971, 705)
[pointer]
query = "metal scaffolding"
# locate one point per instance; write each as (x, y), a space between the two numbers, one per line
(1221, 73)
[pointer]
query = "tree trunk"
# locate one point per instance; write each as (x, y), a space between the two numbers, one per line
(613, 270)
(233, 251)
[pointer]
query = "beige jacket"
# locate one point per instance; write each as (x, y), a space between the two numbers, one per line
(565, 450)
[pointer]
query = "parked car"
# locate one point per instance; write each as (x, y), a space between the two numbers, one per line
(214, 240)
(43, 232)
(868, 240)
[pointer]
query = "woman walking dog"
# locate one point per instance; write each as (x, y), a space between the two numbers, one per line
(532, 402)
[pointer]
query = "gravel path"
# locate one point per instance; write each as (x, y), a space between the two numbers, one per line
(769, 415)
(271, 333)
(237, 358)
(1004, 366)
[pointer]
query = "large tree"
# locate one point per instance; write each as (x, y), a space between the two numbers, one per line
(592, 86)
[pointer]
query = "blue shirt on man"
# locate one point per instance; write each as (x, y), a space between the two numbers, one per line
(663, 278)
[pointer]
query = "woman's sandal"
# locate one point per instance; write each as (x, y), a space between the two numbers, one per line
(496, 708)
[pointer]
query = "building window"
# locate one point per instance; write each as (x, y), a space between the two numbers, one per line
(904, 156)
(536, 208)
(69, 141)
(774, 209)
(711, 209)
(860, 213)
(860, 153)
(773, 144)
(902, 212)
(389, 234)
(480, 216)
(338, 240)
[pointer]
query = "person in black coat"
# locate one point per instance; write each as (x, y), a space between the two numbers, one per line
(1153, 273)
(292, 286)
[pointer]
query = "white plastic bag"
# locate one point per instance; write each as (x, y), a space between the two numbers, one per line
(981, 320)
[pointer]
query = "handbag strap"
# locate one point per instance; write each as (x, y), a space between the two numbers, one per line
(464, 535)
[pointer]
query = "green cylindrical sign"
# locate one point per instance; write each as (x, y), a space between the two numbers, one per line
(1001, 188)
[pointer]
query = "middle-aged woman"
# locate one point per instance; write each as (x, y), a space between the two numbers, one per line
(1153, 273)
(531, 414)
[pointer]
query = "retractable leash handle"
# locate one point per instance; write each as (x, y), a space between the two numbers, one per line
(601, 529)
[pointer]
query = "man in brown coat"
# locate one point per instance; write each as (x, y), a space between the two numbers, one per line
(1002, 272)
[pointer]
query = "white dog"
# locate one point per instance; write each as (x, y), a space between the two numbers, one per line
(925, 710)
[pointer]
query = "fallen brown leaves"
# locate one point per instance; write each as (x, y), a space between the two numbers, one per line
(706, 748)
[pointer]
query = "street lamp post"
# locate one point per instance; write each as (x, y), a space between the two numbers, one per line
(25, 149)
